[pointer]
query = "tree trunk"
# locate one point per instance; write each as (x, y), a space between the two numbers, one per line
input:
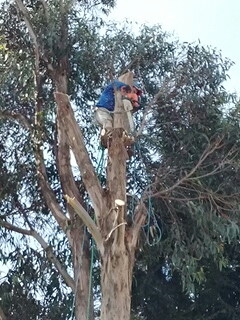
(81, 262)
(118, 259)
(79, 243)
(116, 283)
(115, 239)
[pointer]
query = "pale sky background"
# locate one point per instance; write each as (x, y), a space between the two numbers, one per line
(213, 22)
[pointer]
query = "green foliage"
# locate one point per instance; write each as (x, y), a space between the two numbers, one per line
(32, 288)
(157, 291)
(189, 148)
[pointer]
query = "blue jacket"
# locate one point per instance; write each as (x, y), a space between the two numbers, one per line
(107, 99)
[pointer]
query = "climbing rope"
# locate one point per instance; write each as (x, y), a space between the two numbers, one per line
(100, 166)
(152, 228)
(99, 169)
(100, 162)
(90, 280)
(78, 271)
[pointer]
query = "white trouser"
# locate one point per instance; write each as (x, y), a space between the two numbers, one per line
(103, 118)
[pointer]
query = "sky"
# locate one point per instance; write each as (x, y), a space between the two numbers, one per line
(214, 22)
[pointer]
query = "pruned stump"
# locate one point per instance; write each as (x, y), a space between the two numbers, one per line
(127, 139)
(106, 137)
(117, 147)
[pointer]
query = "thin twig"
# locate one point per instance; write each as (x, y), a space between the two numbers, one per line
(110, 233)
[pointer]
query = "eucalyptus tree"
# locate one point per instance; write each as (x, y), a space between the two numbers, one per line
(53, 61)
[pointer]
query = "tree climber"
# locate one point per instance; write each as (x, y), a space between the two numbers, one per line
(104, 109)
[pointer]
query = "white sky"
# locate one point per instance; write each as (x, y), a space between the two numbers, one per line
(213, 22)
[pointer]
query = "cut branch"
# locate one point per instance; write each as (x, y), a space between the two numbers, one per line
(110, 233)
(90, 224)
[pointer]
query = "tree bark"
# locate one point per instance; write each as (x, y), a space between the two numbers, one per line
(80, 242)
(116, 283)
(118, 241)
(120, 246)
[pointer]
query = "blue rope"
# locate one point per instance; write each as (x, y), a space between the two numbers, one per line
(101, 163)
(154, 231)
(90, 281)
(99, 169)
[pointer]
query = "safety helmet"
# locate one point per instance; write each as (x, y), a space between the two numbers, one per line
(137, 86)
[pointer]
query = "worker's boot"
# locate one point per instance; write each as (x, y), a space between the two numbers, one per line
(106, 137)
(130, 151)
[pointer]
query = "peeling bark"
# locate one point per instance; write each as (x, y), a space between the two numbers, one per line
(116, 240)
(80, 243)
(75, 140)
(119, 254)
(116, 282)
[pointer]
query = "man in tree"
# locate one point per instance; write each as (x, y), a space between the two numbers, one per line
(105, 106)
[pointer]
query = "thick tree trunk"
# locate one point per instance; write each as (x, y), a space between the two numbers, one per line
(81, 262)
(116, 283)
(115, 239)
(118, 258)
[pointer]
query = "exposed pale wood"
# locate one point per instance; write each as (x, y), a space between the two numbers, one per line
(127, 78)
(88, 222)
(119, 202)
(120, 120)
(116, 282)
(110, 233)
